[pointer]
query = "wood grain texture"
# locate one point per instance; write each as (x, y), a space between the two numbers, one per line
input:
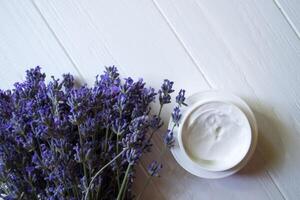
(25, 42)
(117, 37)
(246, 47)
(250, 49)
(290, 11)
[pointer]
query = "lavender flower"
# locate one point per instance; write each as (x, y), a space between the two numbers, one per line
(68, 81)
(167, 86)
(119, 126)
(169, 139)
(79, 104)
(154, 168)
(180, 98)
(54, 136)
(176, 116)
(156, 122)
(165, 91)
(132, 156)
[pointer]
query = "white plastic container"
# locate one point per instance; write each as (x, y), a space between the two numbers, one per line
(217, 169)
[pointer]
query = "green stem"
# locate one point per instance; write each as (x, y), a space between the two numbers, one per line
(83, 161)
(33, 188)
(117, 149)
(124, 193)
(67, 189)
(159, 113)
(160, 109)
(117, 143)
(75, 188)
(97, 174)
(106, 136)
(21, 196)
(74, 191)
(105, 149)
(159, 161)
(123, 182)
(118, 173)
(98, 192)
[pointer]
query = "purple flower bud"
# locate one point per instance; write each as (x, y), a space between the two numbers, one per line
(167, 87)
(68, 81)
(78, 155)
(55, 136)
(176, 116)
(128, 83)
(29, 170)
(132, 155)
(180, 98)
(154, 168)
(156, 122)
(169, 139)
(34, 76)
(165, 91)
(121, 102)
(119, 126)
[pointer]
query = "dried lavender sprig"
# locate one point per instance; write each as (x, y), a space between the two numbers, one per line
(168, 139)
(121, 191)
(164, 98)
(99, 172)
(162, 153)
(36, 114)
(180, 98)
(176, 115)
(154, 168)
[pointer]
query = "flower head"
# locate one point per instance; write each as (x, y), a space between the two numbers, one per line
(176, 115)
(165, 91)
(34, 76)
(169, 139)
(132, 155)
(109, 78)
(154, 168)
(54, 135)
(68, 81)
(167, 86)
(180, 98)
(79, 103)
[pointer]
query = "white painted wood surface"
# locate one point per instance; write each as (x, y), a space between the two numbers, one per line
(249, 47)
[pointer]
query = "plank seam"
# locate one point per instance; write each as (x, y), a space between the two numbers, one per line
(152, 181)
(287, 18)
(270, 176)
(57, 40)
(82, 9)
(182, 43)
(259, 102)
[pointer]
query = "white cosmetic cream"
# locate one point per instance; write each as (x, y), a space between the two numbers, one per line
(216, 135)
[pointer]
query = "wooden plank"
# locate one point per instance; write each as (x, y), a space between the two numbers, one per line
(79, 38)
(248, 47)
(290, 10)
(135, 36)
(25, 42)
(94, 45)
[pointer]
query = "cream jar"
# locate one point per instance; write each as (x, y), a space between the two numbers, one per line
(215, 135)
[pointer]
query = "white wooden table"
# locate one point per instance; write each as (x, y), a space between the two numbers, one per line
(248, 47)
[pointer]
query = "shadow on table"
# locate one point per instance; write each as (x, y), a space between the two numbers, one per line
(270, 150)
(268, 155)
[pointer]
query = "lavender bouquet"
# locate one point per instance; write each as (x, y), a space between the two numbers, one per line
(59, 141)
